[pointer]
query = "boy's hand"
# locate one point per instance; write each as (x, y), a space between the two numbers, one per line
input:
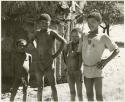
(24, 81)
(102, 63)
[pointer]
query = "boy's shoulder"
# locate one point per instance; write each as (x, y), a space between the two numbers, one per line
(49, 31)
(52, 31)
(37, 33)
(104, 36)
(28, 54)
(28, 57)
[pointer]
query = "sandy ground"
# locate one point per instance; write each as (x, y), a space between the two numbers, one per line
(113, 81)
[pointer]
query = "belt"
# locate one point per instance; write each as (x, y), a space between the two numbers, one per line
(90, 65)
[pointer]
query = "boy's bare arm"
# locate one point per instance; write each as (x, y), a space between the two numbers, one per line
(65, 52)
(63, 42)
(30, 41)
(80, 59)
(30, 60)
(23, 75)
(103, 62)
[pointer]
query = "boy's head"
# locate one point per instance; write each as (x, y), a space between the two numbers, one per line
(94, 19)
(44, 20)
(75, 36)
(21, 45)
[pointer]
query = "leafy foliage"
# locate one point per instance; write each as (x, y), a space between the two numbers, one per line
(108, 9)
(23, 10)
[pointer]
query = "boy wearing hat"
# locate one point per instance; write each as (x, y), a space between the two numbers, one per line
(92, 46)
(45, 38)
(21, 62)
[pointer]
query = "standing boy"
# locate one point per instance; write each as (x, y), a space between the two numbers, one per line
(73, 60)
(45, 39)
(21, 62)
(92, 46)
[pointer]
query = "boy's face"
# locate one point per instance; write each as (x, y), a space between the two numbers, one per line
(75, 37)
(93, 24)
(44, 24)
(20, 47)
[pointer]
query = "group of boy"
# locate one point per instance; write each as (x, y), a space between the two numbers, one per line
(84, 49)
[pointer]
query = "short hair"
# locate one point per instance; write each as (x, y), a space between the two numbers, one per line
(45, 16)
(95, 15)
(21, 42)
(74, 30)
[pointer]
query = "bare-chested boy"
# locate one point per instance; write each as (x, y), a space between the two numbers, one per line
(73, 60)
(45, 39)
(21, 62)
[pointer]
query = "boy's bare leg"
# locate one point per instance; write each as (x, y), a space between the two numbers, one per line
(72, 88)
(39, 78)
(39, 93)
(89, 88)
(54, 92)
(79, 80)
(24, 93)
(98, 88)
(51, 78)
(25, 85)
(14, 89)
(13, 94)
(79, 90)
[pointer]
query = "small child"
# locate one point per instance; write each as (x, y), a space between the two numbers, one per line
(21, 62)
(92, 46)
(73, 60)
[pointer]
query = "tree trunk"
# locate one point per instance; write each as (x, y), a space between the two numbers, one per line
(107, 27)
(68, 32)
(58, 59)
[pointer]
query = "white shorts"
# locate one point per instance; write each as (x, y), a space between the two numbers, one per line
(92, 72)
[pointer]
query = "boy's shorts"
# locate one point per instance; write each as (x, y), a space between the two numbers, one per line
(92, 72)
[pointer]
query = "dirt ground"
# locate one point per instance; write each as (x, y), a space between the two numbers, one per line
(113, 81)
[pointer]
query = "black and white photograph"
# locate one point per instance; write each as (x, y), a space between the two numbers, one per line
(68, 50)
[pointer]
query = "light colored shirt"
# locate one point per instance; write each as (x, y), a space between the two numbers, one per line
(92, 53)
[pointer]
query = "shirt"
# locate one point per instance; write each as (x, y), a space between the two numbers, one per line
(92, 51)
